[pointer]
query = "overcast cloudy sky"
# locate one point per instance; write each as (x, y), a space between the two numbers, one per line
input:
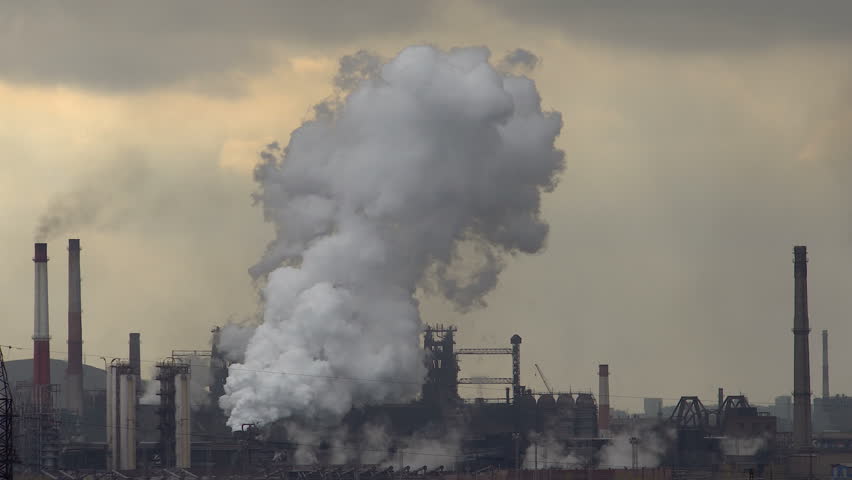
(702, 142)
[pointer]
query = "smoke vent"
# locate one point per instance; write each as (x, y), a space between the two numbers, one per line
(801, 368)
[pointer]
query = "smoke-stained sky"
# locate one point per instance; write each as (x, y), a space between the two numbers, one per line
(701, 145)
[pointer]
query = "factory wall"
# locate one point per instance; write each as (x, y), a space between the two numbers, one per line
(833, 414)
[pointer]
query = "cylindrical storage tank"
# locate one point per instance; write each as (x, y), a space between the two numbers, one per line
(546, 413)
(586, 416)
(564, 417)
(127, 421)
(183, 445)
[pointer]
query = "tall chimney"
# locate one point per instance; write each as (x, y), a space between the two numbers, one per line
(825, 391)
(801, 367)
(41, 330)
(134, 354)
(603, 399)
(74, 373)
(721, 398)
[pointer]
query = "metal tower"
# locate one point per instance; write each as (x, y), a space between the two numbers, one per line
(7, 413)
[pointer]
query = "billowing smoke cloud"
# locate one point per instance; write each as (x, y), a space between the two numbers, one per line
(233, 340)
(425, 175)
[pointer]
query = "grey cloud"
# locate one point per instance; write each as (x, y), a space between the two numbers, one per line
(520, 59)
(121, 46)
(671, 25)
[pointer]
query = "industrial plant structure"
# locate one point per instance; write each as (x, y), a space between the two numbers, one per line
(120, 428)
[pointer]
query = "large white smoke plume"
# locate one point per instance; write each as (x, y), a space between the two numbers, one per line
(424, 156)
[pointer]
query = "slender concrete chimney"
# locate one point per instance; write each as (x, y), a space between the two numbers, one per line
(801, 368)
(603, 399)
(74, 373)
(825, 391)
(134, 354)
(721, 398)
(41, 330)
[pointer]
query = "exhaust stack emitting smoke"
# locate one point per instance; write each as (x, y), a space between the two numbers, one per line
(425, 156)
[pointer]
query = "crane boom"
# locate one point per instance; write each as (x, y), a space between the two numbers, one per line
(544, 379)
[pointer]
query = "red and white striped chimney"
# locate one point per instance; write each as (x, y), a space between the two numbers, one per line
(603, 399)
(74, 373)
(41, 330)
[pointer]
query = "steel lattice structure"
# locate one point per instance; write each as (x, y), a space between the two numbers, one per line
(7, 413)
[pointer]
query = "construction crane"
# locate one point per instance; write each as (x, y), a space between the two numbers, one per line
(544, 379)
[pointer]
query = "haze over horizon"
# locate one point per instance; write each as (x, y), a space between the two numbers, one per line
(700, 145)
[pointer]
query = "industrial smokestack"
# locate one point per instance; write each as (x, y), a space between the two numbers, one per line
(135, 354)
(825, 391)
(41, 330)
(603, 399)
(801, 367)
(74, 373)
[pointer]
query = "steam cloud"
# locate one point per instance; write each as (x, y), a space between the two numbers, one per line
(430, 155)
(652, 446)
(547, 452)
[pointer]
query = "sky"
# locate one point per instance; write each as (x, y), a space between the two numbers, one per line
(702, 141)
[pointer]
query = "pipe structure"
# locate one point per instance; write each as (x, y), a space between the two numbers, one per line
(603, 399)
(801, 362)
(825, 391)
(41, 329)
(74, 372)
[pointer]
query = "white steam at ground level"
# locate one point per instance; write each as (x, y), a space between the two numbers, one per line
(424, 155)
